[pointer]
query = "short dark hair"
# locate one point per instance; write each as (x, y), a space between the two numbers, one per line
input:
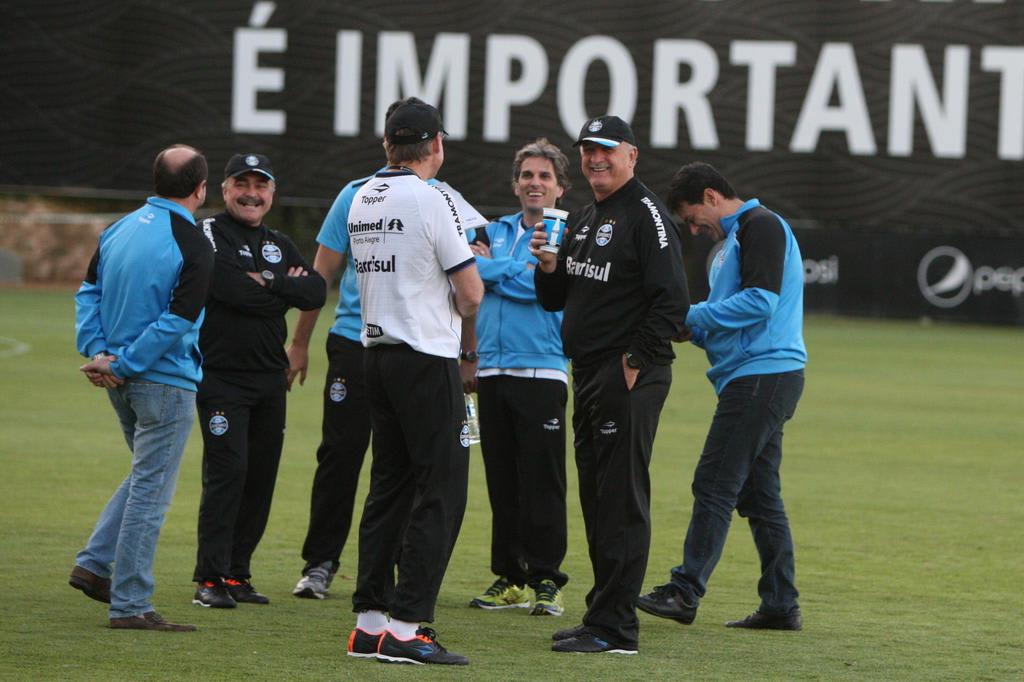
(179, 180)
(690, 181)
(543, 149)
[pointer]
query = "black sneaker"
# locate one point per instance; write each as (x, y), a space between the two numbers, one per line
(421, 649)
(569, 633)
(362, 644)
(213, 594)
(589, 643)
(667, 601)
(764, 621)
(243, 592)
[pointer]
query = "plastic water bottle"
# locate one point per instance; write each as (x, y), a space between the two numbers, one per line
(472, 422)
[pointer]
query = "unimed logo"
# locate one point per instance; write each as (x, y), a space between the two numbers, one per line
(947, 277)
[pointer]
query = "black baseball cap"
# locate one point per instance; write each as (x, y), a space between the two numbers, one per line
(607, 131)
(416, 116)
(248, 163)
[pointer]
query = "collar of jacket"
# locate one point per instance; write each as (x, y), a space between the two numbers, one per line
(731, 222)
(169, 205)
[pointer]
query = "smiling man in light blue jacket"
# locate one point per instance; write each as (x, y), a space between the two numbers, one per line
(522, 385)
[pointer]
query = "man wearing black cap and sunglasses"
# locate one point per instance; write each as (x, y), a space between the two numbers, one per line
(418, 287)
(619, 278)
(258, 275)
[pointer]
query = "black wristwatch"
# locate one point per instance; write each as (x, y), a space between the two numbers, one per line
(634, 361)
(469, 356)
(267, 275)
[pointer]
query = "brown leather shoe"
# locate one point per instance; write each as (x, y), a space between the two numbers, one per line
(90, 584)
(151, 620)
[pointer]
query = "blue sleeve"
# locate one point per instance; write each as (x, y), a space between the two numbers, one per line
(496, 270)
(744, 308)
(699, 336)
(519, 287)
(89, 335)
(334, 232)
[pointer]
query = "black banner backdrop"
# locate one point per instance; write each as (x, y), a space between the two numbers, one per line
(848, 116)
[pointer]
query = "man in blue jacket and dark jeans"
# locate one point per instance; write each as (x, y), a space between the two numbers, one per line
(751, 327)
(138, 315)
(523, 387)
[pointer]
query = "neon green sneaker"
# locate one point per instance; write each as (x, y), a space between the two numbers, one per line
(502, 595)
(548, 600)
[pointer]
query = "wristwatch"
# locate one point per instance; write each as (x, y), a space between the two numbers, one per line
(469, 356)
(267, 275)
(634, 361)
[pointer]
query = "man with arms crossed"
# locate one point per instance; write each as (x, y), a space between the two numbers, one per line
(751, 327)
(138, 315)
(619, 278)
(417, 282)
(258, 275)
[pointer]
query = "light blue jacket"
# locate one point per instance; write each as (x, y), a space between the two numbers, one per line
(144, 295)
(513, 331)
(750, 330)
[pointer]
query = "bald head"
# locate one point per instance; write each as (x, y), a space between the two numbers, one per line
(178, 171)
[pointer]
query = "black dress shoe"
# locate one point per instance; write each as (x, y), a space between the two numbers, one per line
(666, 601)
(213, 594)
(90, 584)
(149, 621)
(243, 592)
(764, 621)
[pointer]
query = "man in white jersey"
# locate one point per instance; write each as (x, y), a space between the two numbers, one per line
(417, 282)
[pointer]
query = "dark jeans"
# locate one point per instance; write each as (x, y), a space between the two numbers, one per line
(739, 469)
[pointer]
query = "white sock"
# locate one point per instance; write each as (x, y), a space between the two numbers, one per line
(403, 629)
(372, 622)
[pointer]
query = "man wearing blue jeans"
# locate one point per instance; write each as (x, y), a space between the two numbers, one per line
(751, 328)
(138, 314)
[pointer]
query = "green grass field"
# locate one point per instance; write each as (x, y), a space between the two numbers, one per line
(903, 476)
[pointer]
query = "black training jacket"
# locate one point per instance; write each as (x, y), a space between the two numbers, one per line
(245, 328)
(620, 279)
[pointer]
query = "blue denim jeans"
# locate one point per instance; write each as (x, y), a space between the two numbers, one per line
(156, 420)
(739, 469)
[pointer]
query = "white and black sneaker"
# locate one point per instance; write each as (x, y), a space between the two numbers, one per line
(315, 583)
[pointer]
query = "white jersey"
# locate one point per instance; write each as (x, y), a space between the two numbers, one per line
(407, 237)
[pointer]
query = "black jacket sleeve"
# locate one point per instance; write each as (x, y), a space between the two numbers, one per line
(664, 283)
(232, 287)
(307, 292)
(551, 287)
(762, 252)
(189, 296)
